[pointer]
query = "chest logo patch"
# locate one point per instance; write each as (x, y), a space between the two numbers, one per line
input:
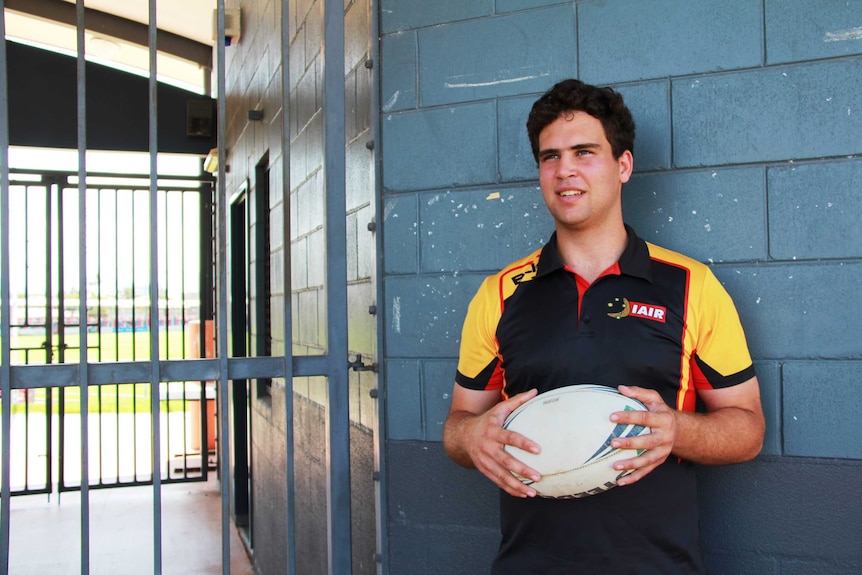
(637, 309)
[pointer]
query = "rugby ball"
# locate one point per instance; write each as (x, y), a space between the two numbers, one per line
(573, 428)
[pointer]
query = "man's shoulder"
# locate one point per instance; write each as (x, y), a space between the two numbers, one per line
(500, 285)
(668, 256)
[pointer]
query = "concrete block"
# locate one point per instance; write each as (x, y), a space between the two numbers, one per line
(425, 314)
(440, 147)
(359, 169)
(814, 210)
(769, 378)
(481, 230)
(782, 508)
(398, 15)
(361, 335)
(732, 562)
(822, 402)
(403, 400)
(825, 566)
(507, 56)
(650, 106)
(516, 5)
(416, 463)
(804, 30)
(797, 310)
(515, 156)
(399, 72)
(401, 234)
(622, 42)
(712, 216)
(438, 377)
(780, 113)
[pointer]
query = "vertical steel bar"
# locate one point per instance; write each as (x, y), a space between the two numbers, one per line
(289, 475)
(82, 289)
(154, 294)
(206, 309)
(380, 421)
(221, 314)
(337, 414)
(60, 236)
(49, 254)
(5, 307)
(116, 283)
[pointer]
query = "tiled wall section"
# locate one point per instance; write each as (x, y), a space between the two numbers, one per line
(297, 212)
(748, 157)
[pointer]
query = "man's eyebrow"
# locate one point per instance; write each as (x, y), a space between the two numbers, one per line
(584, 146)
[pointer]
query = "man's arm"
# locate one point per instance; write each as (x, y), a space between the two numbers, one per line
(731, 430)
(474, 437)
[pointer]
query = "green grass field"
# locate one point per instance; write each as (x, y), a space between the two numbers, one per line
(108, 398)
(105, 347)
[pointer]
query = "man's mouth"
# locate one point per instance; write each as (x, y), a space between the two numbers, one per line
(570, 193)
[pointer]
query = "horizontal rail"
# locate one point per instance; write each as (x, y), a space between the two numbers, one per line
(66, 375)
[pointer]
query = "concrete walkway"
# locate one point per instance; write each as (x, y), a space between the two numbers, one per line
(45, 535)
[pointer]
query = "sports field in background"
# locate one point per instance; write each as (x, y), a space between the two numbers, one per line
(104, 347)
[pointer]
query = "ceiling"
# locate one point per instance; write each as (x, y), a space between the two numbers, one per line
(118, 28)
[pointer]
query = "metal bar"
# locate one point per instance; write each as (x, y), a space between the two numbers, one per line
(61, 276)
(66, 375)
(205, 291)
(337, 413)
(154, 294)
(380, 421)
(49, 312)
(116, 274)
(287, 323)
(222, 313)
(5, 308)
(82, 290)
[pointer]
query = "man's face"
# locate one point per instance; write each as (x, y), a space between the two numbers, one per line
(581, 180)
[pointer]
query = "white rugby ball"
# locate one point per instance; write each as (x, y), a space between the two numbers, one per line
(573, 428)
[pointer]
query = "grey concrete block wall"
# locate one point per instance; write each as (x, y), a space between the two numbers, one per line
(747, 157)
(254, 80)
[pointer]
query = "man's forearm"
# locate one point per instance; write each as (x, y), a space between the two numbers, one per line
(727, 435)
(453, 438)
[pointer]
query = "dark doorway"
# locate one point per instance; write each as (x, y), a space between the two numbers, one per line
(239, 335)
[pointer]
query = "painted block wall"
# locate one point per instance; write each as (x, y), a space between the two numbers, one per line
(748, 157)
(254, 81)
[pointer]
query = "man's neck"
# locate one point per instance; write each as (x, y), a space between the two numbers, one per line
(591, 252)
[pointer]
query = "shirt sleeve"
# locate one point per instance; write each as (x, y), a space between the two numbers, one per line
(479, 365)
(721, 357)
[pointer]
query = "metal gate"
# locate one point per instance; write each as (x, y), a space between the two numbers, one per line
(45, 324)
(157, 371)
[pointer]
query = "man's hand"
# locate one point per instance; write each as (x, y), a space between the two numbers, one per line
(731, 430)
(474, 437)
(658, 443)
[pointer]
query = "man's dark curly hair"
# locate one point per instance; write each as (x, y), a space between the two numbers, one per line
(604, 104)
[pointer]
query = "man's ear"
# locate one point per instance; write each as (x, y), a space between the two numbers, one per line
(626, 163)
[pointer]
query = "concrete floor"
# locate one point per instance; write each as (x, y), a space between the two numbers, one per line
(45, 535)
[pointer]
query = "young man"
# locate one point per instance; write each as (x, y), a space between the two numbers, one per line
(599, 305)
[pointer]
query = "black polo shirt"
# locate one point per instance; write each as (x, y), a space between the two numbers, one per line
(656, 319)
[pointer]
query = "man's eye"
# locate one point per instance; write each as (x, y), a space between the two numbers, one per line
(584, 152)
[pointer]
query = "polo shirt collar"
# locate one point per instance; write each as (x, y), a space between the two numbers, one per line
(634, 261)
